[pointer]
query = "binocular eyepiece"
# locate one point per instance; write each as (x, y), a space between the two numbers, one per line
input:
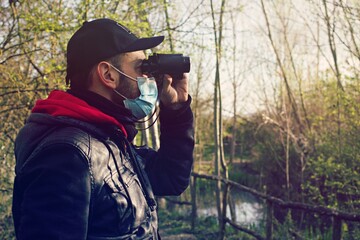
(173, 64)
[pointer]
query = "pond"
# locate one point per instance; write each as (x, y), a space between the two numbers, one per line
(248, 209)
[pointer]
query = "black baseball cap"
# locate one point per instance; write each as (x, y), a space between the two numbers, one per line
(101, 39)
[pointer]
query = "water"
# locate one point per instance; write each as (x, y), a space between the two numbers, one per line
(248, 209)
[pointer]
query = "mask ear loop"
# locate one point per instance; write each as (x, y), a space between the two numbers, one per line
(152, 124)
(128, 76)
(157, 116)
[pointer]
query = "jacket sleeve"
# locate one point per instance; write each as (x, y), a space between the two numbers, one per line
(52, 195)
(169, 169)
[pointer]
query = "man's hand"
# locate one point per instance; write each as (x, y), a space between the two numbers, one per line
(174, 92)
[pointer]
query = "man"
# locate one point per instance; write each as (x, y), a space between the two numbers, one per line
(77, 174)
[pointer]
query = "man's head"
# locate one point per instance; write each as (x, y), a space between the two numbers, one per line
(97, 41)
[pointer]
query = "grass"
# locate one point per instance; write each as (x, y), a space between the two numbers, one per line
(173, 223)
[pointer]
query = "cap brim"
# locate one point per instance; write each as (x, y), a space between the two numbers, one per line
(144, 43)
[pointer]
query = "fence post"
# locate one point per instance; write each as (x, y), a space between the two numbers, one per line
(223, 213)
(193, 204)
(269, 220)
(336, 228)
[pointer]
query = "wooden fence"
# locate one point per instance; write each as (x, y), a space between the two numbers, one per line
(336, 215)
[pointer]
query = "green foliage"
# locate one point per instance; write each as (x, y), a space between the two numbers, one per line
(334, 179)
(173, 223)
(324, 169)
(6, 222)
(246, 137)
(244, 177)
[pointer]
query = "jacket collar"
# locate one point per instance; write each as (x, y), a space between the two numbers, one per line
(60, 103)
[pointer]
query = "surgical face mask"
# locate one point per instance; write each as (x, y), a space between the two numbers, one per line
(145, 103)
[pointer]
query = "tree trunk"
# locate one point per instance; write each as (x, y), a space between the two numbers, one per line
(154, 132)
(336, 229)
(269, 220)
(193, 203)
(219, 147)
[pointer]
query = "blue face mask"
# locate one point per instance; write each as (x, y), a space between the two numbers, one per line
(145, 103)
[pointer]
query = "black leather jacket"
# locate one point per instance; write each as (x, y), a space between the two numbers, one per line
(78, 181)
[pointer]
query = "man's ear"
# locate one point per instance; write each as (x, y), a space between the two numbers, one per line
(106, 75)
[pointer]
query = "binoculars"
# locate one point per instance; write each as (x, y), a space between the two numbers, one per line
(173, 64)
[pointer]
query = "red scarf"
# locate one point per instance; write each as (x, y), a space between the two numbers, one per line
(60, 103)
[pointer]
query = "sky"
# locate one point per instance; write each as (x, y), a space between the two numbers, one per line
(254, 63)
